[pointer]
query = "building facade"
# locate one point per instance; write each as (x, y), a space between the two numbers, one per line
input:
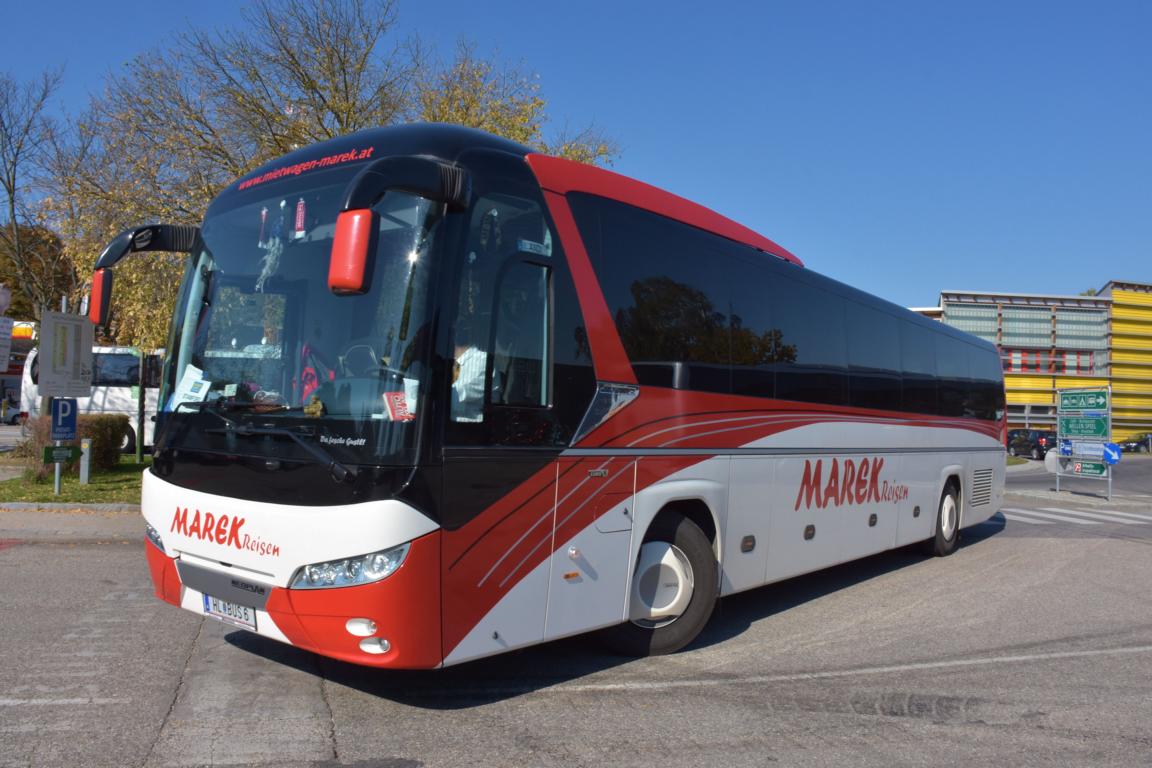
(1130, 352)
(1059, 342)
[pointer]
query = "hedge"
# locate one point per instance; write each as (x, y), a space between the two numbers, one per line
(107, 432)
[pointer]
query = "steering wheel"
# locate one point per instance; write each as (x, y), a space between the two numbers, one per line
(383, 370)
(358, 359)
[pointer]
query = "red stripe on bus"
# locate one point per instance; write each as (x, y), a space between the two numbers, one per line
(487, 557)
(608, 355)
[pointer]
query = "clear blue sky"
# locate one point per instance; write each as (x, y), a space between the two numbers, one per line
(901, 146)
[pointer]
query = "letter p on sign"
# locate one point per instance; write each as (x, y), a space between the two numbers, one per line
(64, 418)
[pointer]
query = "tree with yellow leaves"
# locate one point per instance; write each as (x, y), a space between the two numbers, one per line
(183, 122)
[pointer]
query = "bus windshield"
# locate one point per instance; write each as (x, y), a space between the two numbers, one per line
(258, 336)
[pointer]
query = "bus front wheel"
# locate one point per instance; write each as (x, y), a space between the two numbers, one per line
(672, 592)
(128, 444)
(947, 532)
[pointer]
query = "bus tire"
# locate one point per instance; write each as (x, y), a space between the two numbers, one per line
(675, 567)
(947, 532)
(128, 445)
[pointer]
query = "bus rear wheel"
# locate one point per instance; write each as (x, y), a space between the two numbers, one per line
(672, 593)
(128, 444)
(947, 532)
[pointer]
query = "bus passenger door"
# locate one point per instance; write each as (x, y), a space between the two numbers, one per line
(589, 574)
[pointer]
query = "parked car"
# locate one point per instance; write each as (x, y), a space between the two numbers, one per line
(1032, 442)
(1137, 443)
(1012, 435)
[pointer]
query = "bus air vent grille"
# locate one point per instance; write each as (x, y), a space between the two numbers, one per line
(981, 487)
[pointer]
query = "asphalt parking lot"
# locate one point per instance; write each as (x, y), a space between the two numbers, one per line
(1032, 645)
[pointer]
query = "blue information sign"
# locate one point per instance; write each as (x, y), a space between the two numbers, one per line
(63, 418)
(1111, 453)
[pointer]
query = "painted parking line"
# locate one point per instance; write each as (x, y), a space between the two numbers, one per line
(1107, 517)
(1021, 516)
(1061, 518)
(1133, 515)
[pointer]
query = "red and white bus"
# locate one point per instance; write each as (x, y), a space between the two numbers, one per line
(430, 396)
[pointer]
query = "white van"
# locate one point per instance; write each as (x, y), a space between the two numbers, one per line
(115, 374)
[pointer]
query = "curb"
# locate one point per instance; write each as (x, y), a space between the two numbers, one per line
(37, 506)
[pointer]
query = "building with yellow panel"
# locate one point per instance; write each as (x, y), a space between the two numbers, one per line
(1059, 342)
(1131, 357)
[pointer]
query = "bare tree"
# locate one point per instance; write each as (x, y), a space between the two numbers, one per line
(33, 254)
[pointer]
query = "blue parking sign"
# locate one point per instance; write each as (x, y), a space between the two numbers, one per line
(63, 418)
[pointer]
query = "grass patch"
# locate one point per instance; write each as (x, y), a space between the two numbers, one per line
(118, 486)
(1015, 461)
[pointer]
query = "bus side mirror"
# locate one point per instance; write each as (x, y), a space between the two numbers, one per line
(349, 263)
(101, 298)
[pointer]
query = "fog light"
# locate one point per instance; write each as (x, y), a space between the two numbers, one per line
(361, 627)
(375, 645)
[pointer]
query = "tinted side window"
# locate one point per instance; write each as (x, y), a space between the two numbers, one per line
(873, 358)
(812, 357)
(988, 382)
(666, 287)
(756, 339)
(918, 360)
(952, 366)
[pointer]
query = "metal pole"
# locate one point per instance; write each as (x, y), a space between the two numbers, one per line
(59, 466)
(140, 395)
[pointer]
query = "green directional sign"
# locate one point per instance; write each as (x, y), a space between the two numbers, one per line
(1091, 468)
(1083, 400)
(1083, 426)
(61, 454)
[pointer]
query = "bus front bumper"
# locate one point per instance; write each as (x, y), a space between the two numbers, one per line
(392, 623)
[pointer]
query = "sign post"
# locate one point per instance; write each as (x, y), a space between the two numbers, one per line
(63, 427)
(1083, 425)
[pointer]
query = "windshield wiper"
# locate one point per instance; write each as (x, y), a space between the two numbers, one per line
(339, 472)
(262, 408)
(200, 406)
(212, 406)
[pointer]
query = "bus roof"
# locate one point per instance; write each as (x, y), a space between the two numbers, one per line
(564, 176)
(448, 142)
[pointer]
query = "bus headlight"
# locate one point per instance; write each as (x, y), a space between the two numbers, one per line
(153, 536)
(351, 571)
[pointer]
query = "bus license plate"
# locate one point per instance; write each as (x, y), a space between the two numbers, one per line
(230, 613)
